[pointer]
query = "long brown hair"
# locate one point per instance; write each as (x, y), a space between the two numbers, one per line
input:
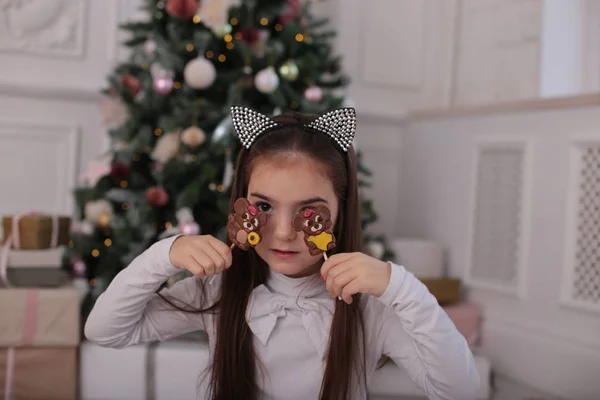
(234, 367)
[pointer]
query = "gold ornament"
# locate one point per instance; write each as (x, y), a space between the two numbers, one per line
(289, 70)
(193, 137)
(104, 220)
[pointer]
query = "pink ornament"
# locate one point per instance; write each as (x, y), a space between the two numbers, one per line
(163, 84)
(189, 228)
(79, 268)
(157, 196)
(149, 47)
(314, 94)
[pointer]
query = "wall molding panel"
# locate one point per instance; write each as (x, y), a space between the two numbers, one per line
(43, 160)
(499, 227)
(44, 28)
(581, 283)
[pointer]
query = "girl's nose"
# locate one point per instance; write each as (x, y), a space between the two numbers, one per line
(283, 227)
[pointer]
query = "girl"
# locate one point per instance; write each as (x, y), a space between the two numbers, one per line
(282, 323)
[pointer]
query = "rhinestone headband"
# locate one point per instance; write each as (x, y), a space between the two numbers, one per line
(339, 125)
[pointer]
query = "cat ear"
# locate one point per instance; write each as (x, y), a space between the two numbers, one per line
(249, 124)
(339, 124)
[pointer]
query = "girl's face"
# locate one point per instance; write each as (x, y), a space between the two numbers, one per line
(282, 188)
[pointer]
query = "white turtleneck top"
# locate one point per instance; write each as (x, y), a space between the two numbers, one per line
(290, 319)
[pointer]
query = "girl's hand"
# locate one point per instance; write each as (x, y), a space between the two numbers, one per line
(350, 273)
(201, 255)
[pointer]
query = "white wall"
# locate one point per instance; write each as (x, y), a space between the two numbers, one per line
(54, 57)
(563, 44)
(500, 190)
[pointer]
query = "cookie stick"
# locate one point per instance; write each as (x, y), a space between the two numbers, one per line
(244, 225)
(316, 224)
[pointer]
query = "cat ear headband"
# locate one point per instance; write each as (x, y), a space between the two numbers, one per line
(339, 125)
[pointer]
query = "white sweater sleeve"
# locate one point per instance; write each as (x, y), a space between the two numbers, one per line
(418, 335)
(130, 312)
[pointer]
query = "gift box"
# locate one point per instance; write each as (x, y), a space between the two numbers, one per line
(36, 231)
(29, 373)
(171, 370)
(33, 277)
(40, 317)
(32, 268)
(445, 290)
(468, 319)
(159, 371)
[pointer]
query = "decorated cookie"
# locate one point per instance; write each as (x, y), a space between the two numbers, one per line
(244, 224)
(316, 224)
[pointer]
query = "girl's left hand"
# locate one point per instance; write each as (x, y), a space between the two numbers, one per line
(350, 273)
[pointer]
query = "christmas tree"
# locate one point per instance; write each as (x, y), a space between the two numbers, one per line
(170, 165)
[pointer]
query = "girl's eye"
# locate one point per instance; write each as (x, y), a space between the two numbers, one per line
(264, 207)
(246, 216)
(248, 225)
(255, 221)
(318, 218)
(307, 223)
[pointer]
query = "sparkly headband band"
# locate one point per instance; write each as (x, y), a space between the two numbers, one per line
(339, 125)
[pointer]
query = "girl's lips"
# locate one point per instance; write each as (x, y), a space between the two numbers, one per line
(284, 254)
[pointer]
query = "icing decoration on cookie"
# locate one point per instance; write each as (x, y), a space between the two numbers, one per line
(244, 224)
(316, 224)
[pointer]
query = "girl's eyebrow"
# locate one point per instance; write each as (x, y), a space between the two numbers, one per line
(300, 203)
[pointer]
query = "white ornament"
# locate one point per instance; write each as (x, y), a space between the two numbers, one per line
(83, 226)
(166, 147)
(213, 12)
(314, 94)
(222, 130)
(87, 228)
(94, 209)
(184, 215)
(199, 73)
(266, 81)
(149, 47)
(376, 249)
(193, 136)
(221, 30)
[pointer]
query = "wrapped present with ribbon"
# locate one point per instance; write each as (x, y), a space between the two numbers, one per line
(41, 317)
(155, 371)
(32, 250)
(39, 373)
(34, 230)
(32, 268)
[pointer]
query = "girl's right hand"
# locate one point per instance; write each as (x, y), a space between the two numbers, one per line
(202, 255)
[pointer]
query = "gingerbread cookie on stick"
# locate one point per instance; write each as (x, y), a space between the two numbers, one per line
(244, 224)
(316, 224)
